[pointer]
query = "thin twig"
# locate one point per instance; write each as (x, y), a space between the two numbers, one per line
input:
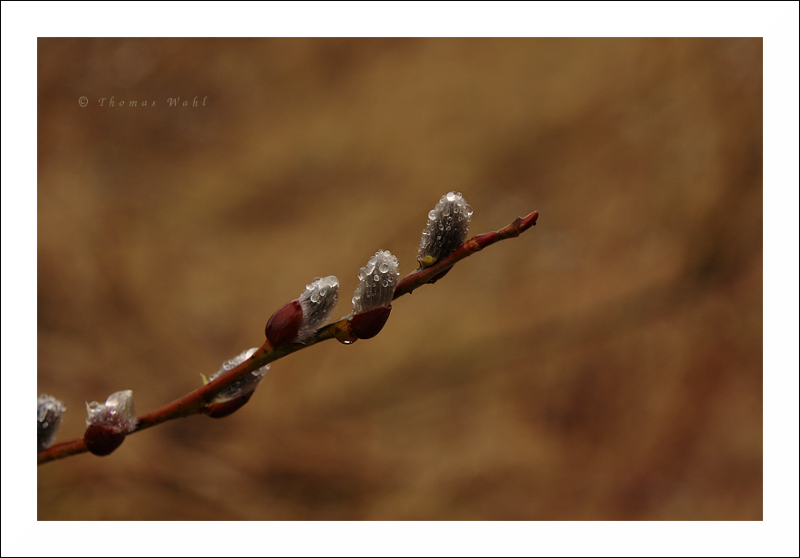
(195, 401)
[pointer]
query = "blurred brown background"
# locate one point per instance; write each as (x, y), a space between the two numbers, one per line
(605, 365)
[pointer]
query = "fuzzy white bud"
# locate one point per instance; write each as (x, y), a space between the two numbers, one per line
(116, 412)
(49, 414)
(243, 385)
(447, 228)
(378, 280)
(318, 301)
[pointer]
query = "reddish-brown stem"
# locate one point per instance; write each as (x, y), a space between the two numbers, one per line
(195, 401)
(64, 449)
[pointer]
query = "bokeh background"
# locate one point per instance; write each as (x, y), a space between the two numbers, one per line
(607, 364)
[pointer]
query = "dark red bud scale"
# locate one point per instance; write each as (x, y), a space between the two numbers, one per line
(225, 408)
(284, 324)
(101, 439)
(368, 324)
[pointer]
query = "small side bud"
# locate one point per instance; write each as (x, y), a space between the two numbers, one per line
(49, 413)
(318, 301)
(447, 228)
(284, 324)
(373, 297)
(233, 397)
(108, 423)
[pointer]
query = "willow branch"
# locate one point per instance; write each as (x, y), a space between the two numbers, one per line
(196, 401)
